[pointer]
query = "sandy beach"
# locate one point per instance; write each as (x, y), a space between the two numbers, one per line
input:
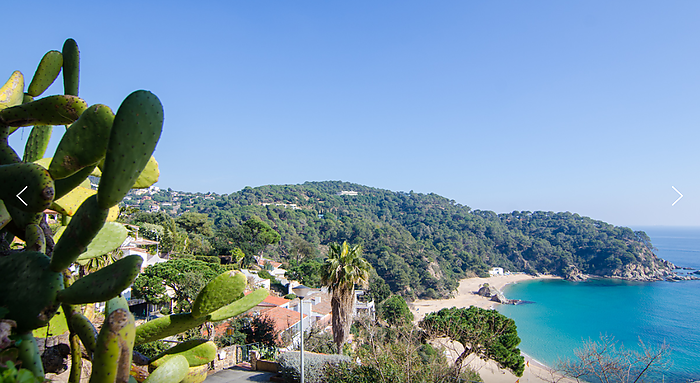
(466, 296)
(535, 372)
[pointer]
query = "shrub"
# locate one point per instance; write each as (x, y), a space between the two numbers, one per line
(315, 366)
(290, 296)
(208, 259)
(266, 275)
(395, 311)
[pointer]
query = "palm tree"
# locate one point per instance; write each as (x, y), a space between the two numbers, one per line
(343, 269)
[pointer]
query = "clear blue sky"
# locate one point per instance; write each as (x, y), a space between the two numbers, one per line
(591, 107)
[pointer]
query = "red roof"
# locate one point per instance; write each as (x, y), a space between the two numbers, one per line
(271, 300)
(277, 301)
(262, 262)
(282, 317)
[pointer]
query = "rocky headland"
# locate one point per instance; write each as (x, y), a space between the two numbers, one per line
(646, 267)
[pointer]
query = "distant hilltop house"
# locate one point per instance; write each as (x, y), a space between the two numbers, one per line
(495, 271)
(280, 204)
(348, 192)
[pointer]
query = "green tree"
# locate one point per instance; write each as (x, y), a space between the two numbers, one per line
(252, 237)
(308, 273)
(343, 269)
(195, 223)
(395, 311)
(254, 329)
(185, 276)
(485, 333)
(302, 249)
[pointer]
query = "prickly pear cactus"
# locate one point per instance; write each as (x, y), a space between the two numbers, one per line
(38, 278)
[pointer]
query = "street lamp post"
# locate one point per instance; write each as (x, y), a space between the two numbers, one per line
(301, 291)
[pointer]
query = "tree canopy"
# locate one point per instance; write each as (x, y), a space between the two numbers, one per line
(485, 333)
(395, 311)
(185, 276)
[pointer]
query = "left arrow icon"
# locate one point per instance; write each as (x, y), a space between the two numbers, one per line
(20, 198)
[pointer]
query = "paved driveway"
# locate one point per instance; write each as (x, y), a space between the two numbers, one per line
(239, 375)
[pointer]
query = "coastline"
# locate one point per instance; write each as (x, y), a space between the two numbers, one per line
(465, 295)
(535, 371)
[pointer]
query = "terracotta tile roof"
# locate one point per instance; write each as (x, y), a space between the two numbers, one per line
(277, 301)
(282, 317)
(271, 300)
(262, 262)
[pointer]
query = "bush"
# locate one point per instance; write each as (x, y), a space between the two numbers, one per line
(315, 366)
(230, 340)
(290, 296)
(266, 275)
(395, 311)
(208, 259)
(319, 342)
(348, 373)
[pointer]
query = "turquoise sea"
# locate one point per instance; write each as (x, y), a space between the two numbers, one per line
(564, 314)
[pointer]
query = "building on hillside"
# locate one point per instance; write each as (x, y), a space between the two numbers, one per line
(496, 271)
(286, 323)
(347, 192)
(256, 280)
(133, 245)
(363, 309)
(273, 267)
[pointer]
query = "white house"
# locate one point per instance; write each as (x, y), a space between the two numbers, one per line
(495, 271)
(132, 245)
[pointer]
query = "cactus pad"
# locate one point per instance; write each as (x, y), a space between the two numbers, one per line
(174, 370)
(34, 238)
(70, 203)
(84, 143)
(83, 227)
(240, 306)
(149, 175)
(196, 374)
(51, 110)
(32, 181)
(37, 142)
(115, 342)
(166, 326)
(103, 284)
(46, 73)
(66, 185)
(29, 355)
(12, 93)
(135, 133)
(197, 352)
(71, 67)
(110, 237)
(85, 330)
(30, 296)
(221, 291)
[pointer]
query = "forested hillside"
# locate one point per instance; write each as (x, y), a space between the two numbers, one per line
(422, 244)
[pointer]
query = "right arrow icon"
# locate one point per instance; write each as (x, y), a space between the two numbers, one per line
(679, 198)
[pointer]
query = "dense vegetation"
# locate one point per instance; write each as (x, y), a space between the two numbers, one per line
(419, 244)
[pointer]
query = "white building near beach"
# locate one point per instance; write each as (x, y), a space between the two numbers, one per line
(496, 271)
